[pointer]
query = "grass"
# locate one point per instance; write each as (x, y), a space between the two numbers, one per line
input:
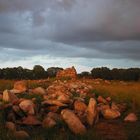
(128, 93)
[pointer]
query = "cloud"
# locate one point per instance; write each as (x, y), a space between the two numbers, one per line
(78, 29)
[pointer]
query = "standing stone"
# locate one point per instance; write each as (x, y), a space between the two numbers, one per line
(92, 113)
(73, 122)
(9, 97)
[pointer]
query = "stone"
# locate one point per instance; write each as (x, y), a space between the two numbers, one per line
(102, 107)
(20, 86)
(92, 113)
(67, 73)
(54, 102)
(27, 106)
(31, 120)
(53, 108)
(110, 114)
(73, 122)
(54, 116)
(10, 126)
(100, 99)
(114, 106)
(131, 118)
(108, 99)
(9, 97)
(80, 106)
(39, 90)
(11, 117)
(21, 134)
(48, 123)
(1, 96)
(64, 98)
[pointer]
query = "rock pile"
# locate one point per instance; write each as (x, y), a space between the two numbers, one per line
(70, 102)
(67, 73)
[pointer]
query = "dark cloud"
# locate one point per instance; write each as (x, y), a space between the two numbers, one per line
(103, 29)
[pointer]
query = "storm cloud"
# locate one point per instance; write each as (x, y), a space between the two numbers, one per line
(107, 30)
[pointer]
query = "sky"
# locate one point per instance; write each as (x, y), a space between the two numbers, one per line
(65, 33)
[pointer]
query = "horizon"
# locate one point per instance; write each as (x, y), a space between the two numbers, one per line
(45, 68)
(63, 33)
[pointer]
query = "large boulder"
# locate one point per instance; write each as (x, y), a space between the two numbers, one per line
(73, 122)
(9, 97)
(27, 106)
(92, 113)
(69, 72)
(131, 118)
(20, 86)
(110, 114)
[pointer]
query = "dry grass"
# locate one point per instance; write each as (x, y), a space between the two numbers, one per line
(128, 92)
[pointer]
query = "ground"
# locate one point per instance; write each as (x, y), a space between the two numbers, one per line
(122, 92)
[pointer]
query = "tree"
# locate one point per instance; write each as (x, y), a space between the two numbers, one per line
(39, 72)
(52, 71)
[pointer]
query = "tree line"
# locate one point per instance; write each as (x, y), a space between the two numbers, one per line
(38, 72)
(130, 74)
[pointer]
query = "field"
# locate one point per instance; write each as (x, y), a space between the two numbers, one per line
(121, 92)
